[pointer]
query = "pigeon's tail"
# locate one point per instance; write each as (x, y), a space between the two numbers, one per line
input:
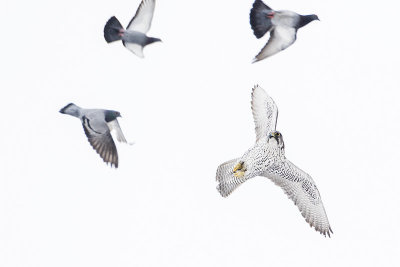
(113, 30)
(260, 18)
(71, 109)
(227, 178)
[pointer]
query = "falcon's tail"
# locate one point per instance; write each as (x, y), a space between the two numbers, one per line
(113, 30)
(259, 21)
(71, 109)
(227, 179)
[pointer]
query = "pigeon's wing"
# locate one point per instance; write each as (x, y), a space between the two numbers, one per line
(280, 39)
(114, 125)
(141, 22)
(300, 187)
(265, 112)
(99, 136)
(135, 48)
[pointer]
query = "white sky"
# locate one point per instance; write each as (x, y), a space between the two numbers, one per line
(187, 107)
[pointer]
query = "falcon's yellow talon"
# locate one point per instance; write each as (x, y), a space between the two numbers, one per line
(238, 170)
(239, 174)
(238, 167)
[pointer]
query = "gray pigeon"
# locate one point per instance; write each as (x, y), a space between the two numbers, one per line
(282, 25)
(97, 124)
(134, 37)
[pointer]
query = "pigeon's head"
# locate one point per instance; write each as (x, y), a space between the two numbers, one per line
(111, 115)
(314, 17)
(304, 20)
(276, 137)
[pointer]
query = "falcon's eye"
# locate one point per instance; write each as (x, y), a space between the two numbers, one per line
(278, 134)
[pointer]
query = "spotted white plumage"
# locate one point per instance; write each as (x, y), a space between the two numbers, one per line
(265, 112)
(267, 158)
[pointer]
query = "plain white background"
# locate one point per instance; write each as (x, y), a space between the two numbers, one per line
(187, 107)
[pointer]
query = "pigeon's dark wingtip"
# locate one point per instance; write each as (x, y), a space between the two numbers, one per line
(112, 164)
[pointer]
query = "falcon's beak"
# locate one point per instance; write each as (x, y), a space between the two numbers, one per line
(274, 136)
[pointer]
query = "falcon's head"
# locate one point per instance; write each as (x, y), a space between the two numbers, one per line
(276, 137)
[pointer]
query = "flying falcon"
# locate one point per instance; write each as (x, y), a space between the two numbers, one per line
(267, 158)
(98, 124)
(282, 25)
(134, 37)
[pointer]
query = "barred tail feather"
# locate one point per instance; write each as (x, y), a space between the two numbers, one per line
(226, 178)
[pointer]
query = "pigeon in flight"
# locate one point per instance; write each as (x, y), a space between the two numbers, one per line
(97, 124)
(267, 158)
(134, 37)
(282, 25)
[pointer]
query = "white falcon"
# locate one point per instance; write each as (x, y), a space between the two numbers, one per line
(267, 158)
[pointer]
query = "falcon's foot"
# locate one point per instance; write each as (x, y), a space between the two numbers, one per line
(239, 170)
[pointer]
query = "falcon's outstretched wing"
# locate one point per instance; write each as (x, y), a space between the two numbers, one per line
(141, 22)
(300, 187)
(265, 112)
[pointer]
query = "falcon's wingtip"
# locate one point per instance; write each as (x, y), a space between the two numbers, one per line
(325, 232)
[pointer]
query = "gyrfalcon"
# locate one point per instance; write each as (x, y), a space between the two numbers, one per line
(267, 158)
